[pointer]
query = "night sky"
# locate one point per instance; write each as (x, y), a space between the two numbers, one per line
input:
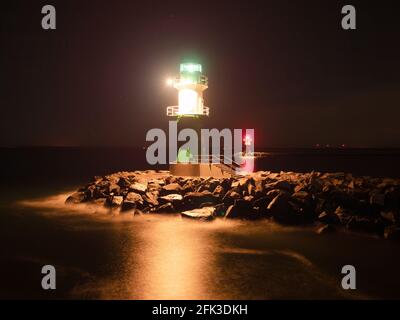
(285, 68)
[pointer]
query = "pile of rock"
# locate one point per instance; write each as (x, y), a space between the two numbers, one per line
(333, 199)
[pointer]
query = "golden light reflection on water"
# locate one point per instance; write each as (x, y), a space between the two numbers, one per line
(175, 259)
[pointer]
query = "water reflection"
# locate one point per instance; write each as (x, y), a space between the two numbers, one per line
(173, 260)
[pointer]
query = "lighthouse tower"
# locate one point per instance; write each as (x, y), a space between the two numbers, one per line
(190, 84)
(192, 113)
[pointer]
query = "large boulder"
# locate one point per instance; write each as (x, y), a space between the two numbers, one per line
(230, 197)
(195, 199)
(75, 198)
(171, 188)
(132, 201)
(123, 182)
(201, 214)
(241, 209)
(140, 187)
(285, 211)
(117, 201)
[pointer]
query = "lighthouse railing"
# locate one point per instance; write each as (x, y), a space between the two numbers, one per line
(173, 111)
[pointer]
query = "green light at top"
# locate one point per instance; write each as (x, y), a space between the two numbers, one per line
(190, 67)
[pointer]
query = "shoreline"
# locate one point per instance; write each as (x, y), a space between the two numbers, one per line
(331, 201)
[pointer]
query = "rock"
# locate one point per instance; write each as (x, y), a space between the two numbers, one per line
(302, 195)
(389, 216)
(132, 201)
(271, 194)
(241, 209)
(75, 198)
(329, 218)
(392, 233)
(202, 214)
(235, 184)
(230, 197)
(360, 203)
(117, 201)
(134, 197)
(299, 188)
(151, 198)
(138, 187)
(219, 190)
(281, 185)
(195, 199)
(284, 211)
(114, 188)
(363, 225)
(171, 188)
(172, 197)
(327, 228)
(123, 182)
(377, 199)
(220, 210)
(165, 208)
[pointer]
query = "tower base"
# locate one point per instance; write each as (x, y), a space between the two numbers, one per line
(199, 170)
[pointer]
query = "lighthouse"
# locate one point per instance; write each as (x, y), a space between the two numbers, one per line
(192, 113)
(190, 84)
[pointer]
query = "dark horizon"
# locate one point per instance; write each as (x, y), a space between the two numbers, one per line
(286, 69)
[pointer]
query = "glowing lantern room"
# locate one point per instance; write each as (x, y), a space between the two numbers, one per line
(190, 84)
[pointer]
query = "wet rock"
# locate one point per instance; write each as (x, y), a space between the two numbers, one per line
(300, 188)
(363, 225)
(220, 210)
(171, 188)
(201, 214)
(241, 209)
(327, 228)
(132, 201)
(284, 211)
(281, 185)
(75, 198)
(260, 206)
(329, 218)
(138, 187)
(151, 198)
(117, 201)
(230, 197)
(219, 190)
(195, 199)
(392, 233)
(271, 194)
(172, 197)
(123, 182)
(114, 188)
(360, 203)
(165, 208)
